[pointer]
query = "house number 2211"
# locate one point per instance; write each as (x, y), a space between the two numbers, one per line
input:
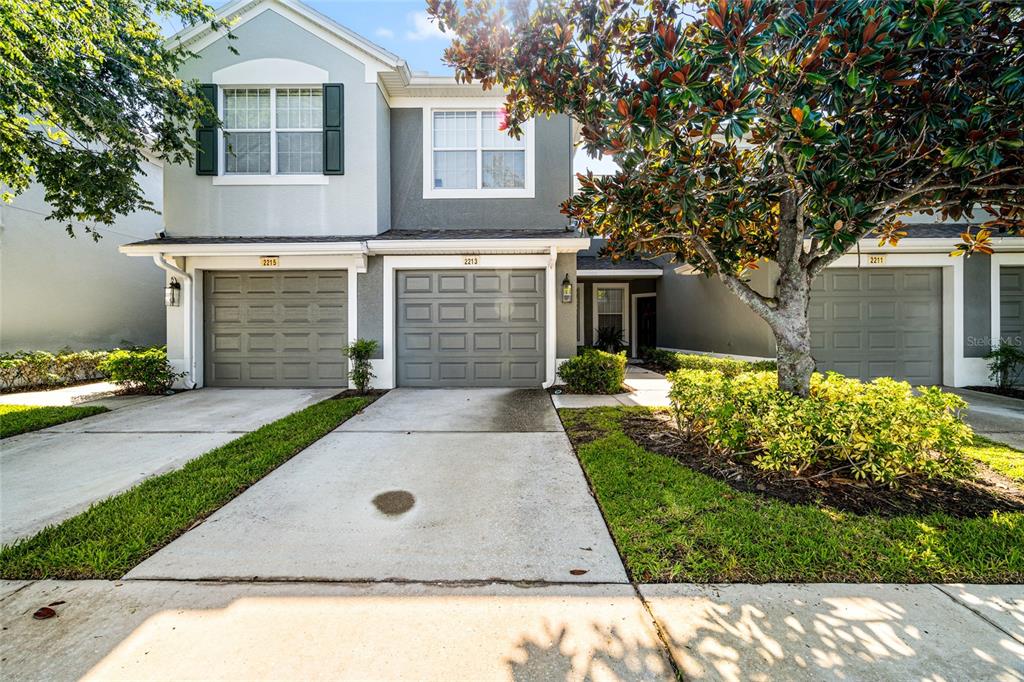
(471, 260)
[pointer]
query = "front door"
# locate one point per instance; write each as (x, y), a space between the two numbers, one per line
(646, 323)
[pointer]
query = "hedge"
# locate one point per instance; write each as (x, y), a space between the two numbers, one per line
(670, 361)
(38, 369)
(878, 432)
(594, 371)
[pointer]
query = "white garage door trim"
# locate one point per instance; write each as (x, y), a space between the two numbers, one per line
(195, 266)
(386, 371)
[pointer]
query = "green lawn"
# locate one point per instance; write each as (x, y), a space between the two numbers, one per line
(673, 524)
(999, 457)
(116, 534)
(15, 419)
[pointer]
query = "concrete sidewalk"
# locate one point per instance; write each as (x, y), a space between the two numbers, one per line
(377, 631)
(993, 416)
(647, 388)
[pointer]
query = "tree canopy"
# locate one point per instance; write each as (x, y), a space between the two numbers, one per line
(86, 88)
(779, 130)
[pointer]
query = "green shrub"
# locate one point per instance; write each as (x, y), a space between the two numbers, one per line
(878, 432)
(594, 371)
(359, 353)
(1005, 364)
(27, 370)
(670, 361)
(144, 370)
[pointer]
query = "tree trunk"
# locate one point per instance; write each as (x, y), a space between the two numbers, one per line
(793, 353)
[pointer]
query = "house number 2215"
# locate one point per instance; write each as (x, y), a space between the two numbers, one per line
(471, 260)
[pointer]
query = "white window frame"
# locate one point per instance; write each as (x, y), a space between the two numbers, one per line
(581, 322)
(479, 192)
(625, 306)
(273, 178)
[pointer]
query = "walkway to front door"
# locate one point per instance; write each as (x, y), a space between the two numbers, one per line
(426, 485)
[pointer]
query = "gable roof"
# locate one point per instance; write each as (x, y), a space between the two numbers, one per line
(391, 71)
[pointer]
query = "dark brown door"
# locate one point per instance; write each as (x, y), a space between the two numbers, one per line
(646, 322)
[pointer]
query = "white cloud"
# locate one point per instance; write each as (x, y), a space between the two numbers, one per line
(423, 28)
(384, 33)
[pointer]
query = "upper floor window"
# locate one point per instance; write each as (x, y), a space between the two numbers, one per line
(273, 131)
(466, 155)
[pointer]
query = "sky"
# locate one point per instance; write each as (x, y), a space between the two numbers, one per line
(402, 27)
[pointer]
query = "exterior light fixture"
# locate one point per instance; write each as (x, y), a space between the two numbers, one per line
(566, 289)
(172, 293)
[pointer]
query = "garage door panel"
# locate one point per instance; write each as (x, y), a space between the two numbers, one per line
(285, 328)
(470, 328)
(879, 323)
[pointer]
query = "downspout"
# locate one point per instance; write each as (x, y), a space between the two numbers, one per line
(551, 318)
(189, 345)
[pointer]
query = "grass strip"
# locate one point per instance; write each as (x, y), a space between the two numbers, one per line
(1000, 458)
(114, 535)
(673, 524)
(16, 419)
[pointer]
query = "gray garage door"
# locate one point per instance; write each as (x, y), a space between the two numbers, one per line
(284, 328)
(1011, 304)
(470, 328)
(869, 323)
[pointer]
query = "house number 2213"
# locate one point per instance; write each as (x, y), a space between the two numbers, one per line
(471, 260)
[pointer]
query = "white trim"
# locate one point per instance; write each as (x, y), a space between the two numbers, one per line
(289, 179)
(625, 302)
(475, 246)
(248, 249)
(632, 314)
(412, 247)
(996, 289)
(430, 192)
(619, 273)
(353, 310)
(581, 333)
(271, 70)
(387, 376)
(374, 58)
(550, 317)
(197, 265)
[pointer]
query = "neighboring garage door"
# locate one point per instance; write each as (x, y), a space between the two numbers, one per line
(272, 329)
(1011, 304)
(470, 327)
(868, 323)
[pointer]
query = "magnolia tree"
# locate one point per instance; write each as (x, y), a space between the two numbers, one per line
(767, 130)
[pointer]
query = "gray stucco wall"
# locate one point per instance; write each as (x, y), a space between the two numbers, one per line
(565, 313)
(977, 305)
(409, 210)
(383, 164)
(370, 293)
(347, 205)
(58, 292)
(696, 312)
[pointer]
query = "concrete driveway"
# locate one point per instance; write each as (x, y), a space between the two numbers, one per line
(47, 476)
(424, 485)
(994, 416)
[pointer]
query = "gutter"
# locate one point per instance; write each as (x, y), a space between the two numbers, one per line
(161, 262)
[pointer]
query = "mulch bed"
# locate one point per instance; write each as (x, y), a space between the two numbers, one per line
(373, 393)
(562, 389)
(987, 492)
(995, 390)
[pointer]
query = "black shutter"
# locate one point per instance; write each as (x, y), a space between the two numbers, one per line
(206, 134)
(334, 129)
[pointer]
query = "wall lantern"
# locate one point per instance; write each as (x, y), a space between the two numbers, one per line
(566, 289)
(172, 293)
